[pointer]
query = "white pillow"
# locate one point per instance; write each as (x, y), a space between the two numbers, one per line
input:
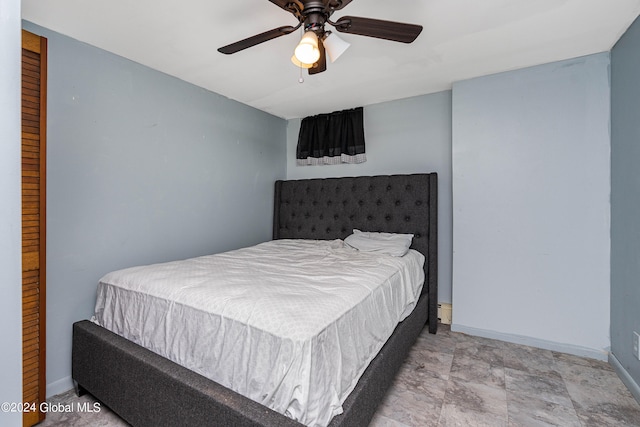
(385, 243)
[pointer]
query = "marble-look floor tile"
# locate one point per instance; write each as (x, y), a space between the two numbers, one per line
(414, 407)
(548, 387)
(599, 396)
(453, 379)
(529, 359)
(528, 411)
(380, 420)
(421, 381)
(107, 418)
(590, 386)
(473, 404)
(481, 351)
(583, 361)
(467, 368)
(457, 416)
(86, 411)
(465, 340)
(429, 363)
(65, 419)
(442, 342)
(66, 397)
(609, 414)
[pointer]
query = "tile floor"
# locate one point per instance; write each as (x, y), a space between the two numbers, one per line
(452, 379)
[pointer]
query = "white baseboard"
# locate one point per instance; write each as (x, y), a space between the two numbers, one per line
(534, 342)
(631, 384)
(60, 386)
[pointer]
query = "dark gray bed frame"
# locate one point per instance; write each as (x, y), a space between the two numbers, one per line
(146, 389)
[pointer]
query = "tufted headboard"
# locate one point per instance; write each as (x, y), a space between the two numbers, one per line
(331, 208)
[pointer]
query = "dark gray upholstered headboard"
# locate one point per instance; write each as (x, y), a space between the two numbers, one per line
(331, 208)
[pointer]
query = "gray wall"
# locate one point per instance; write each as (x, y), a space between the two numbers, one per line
(142, 168)
(531, 185)
(625, 203)
(10, 220)
(411, 135)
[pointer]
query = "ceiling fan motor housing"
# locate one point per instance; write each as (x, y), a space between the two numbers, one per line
(315, 16)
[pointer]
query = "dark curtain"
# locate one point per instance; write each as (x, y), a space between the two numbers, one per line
(332, 138)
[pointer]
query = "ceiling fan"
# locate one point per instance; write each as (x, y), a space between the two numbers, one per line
(312, 15)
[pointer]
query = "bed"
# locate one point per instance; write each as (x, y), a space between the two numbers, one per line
(145, 388)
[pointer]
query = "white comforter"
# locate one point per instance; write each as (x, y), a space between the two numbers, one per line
(291, 324)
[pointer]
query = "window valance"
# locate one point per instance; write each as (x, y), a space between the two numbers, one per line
(332, 138)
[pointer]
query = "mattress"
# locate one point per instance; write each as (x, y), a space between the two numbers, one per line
(291, 324)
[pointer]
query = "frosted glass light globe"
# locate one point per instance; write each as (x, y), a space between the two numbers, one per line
(307, 51)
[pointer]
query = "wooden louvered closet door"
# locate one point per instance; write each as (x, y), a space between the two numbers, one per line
(34, 90)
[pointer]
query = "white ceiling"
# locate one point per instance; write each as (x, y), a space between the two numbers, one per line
(461, 39)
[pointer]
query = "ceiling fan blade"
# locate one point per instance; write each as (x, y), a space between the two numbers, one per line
(257, 39)
(321, 64)
(388, 30)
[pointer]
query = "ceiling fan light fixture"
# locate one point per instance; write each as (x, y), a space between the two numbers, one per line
(300, 64)
(312, 15)
(307, 51)
(334, 46)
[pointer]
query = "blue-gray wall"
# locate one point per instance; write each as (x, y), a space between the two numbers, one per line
(142, 168)
(10, 214)
(146, 168)
(531, 185)
(625, 204)
(410, 135)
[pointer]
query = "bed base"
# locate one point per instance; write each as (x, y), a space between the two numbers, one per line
(146, 389)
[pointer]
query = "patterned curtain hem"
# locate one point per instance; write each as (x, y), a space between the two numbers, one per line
(343, 158)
